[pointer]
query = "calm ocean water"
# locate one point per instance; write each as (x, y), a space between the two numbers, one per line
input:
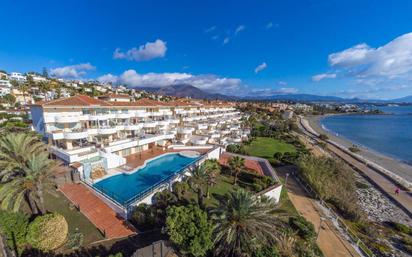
(389, 134)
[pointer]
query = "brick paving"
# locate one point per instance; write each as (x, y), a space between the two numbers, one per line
(100, 214)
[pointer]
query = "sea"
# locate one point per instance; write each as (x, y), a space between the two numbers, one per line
(389, 134)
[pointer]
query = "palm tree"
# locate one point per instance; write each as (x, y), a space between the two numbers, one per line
(15, 150)
(197, 182)
(236, 164)
(243, 223)
(30, 187)
(212, 170)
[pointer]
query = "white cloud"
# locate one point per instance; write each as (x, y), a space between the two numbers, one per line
(391, 60)
(226, 40)
(261, 67)
(210, 83)
(269, 25)
(107, 78)
(287, 90)
(276, 91)
(210, 29)
(239, 29)
(149, 51)
(322, 76)
(72, 71)
(282, 83)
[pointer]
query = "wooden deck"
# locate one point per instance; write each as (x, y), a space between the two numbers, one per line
(100, 214)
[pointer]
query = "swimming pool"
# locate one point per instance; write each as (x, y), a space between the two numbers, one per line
(124, 188)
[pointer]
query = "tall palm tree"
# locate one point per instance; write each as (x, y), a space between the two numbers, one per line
(236, 164)
(243, 223)
(31, 186)
(197, 181)
(212, 170)
(15, 150)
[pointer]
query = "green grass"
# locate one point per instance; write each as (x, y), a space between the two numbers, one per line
(76, 220)
(265, 147)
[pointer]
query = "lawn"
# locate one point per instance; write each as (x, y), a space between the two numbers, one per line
(265, 147)
(76, 220)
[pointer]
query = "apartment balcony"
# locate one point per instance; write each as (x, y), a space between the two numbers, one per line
(188, 119)
(149, 124)
(120, 127)
(163, 122)
(202, 126)
(107, 131)
(173, 121)
(185, 130)
(56, 135)
(93, 131)
(133, 127)
(141, 114)
(124, 115)
(73, 135)
(199, 140)
(235, 140)
(100, 116)
(74, 155)
(67, 119)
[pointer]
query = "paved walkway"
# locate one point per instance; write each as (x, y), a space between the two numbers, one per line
(329, 241)
(101, 215)
(386, 185)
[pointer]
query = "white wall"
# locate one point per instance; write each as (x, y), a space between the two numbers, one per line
(274, 193)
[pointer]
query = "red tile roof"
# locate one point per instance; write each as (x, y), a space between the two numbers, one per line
(113, 95)
(78, 100)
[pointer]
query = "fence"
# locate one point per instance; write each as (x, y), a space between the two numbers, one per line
(349, 232)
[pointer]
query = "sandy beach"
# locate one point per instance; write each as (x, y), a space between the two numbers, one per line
(396, 166)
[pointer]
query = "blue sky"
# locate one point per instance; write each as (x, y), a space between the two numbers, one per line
(345, 48)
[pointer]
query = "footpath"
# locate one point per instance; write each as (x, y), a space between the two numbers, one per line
(329, 240)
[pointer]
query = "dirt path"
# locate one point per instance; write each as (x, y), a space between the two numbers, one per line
(329, 241)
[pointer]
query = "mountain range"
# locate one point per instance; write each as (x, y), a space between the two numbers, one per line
(187, 90)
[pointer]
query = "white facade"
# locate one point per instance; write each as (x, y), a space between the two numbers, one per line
(17, 76)
(80, 128)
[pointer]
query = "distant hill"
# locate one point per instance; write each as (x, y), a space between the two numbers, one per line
(301, 98)
(185, 90)
(406, 99)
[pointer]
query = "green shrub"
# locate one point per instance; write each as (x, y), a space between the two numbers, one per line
(14, 226)
(266, 251)
(75, 241)
(190, 229)
(143, 217)
(304, 228)
(48, 232)
(401, 227)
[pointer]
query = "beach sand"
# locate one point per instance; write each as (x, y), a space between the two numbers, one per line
(396, 166)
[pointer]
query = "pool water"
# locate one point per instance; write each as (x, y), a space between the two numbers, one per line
(124, 187)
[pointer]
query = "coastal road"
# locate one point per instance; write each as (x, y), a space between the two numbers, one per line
(386, 185)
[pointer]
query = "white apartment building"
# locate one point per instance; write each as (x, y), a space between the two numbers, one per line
(5, 87)
(17, 76)
(81, 129)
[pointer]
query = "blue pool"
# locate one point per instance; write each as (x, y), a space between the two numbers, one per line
(123, 188)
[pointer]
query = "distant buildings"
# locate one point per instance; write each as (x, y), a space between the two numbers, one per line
(17, 77)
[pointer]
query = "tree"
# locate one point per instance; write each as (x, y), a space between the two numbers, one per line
(30, 184)
(15, 150)
(189, 228)
(212, 171)
(45, 73)
(10, 99)
(236, 164)
(180, 189)
(197, 182)
(244, 223)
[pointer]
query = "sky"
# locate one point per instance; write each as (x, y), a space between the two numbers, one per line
(330, 47)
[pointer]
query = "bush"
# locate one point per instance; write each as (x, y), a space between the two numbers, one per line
(75, 241)
(14, 226)
(266, 251)
(190, 229)
(401, 228)
(323, 137)
(48, 232)
(304, 228)
(143, 217)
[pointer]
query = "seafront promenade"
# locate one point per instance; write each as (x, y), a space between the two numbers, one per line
(383, 182)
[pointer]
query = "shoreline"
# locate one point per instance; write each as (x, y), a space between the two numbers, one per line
(398, 167)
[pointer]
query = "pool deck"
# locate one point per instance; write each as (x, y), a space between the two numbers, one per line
(100, 214)
(136, 160)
